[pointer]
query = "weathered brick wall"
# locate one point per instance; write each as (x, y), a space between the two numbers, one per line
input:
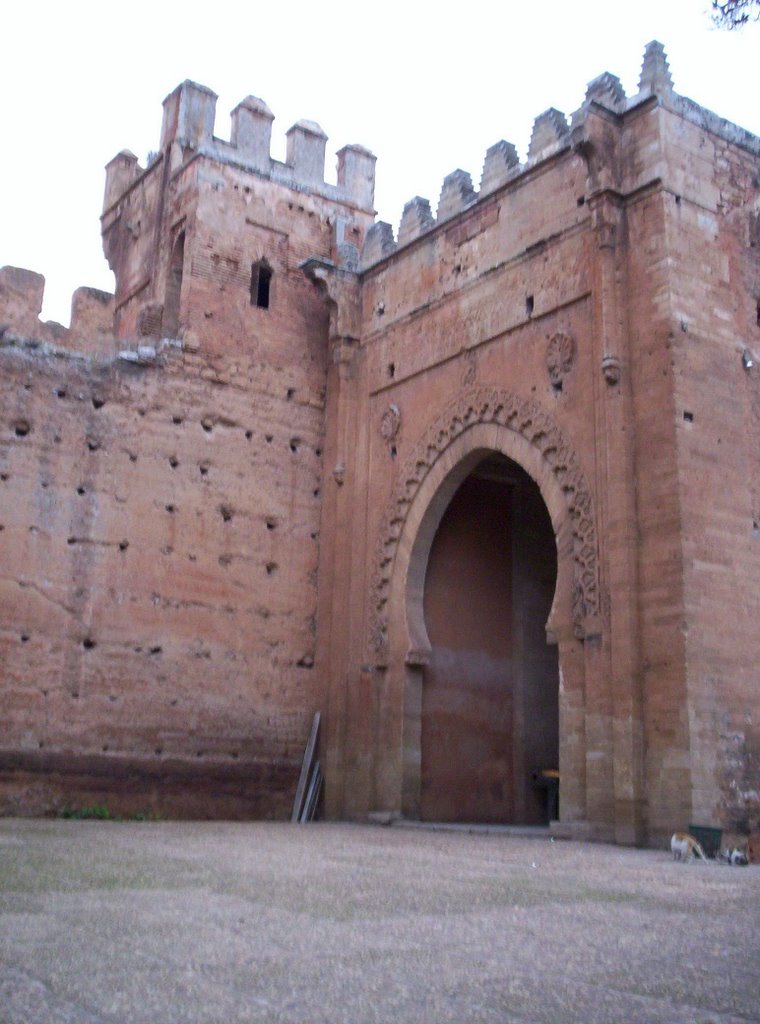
(159, 552)
(161, 508)
(715, 282)
(636, 242)
(217, 532)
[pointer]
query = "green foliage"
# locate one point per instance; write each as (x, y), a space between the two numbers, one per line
(99, 812)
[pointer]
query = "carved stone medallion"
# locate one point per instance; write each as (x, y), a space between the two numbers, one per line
(560, 354)
(390, 423)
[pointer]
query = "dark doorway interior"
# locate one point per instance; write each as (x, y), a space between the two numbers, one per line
(490, 692)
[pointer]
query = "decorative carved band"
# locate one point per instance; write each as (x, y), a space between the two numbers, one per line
(490, 405)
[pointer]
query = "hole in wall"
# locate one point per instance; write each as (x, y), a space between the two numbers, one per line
(208, 424)
(268, 438)
(97, 402)
(171, 509)
(580, 201)
(88, 643)
(271, 568)
(678, 200)
(271, 523)
(173, 461)
(21, 428)
(289, 394)
(60, 392)
(3, 477)
(123, 545)
(93, 444)
(295, 444)
(203, 467)
(248, 435)
(688, 416)
(391, 370)
(394, 451)
(529, 305)
(155, 650)
(226, 512)
(176, 420)
(24, 638)
(81, 489)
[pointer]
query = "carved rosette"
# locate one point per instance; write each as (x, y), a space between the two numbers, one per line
(560, 354)
(489, 405)
(390, 424)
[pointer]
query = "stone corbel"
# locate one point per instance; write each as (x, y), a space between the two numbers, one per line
(604, 217)
(594, 136)
(341, 289)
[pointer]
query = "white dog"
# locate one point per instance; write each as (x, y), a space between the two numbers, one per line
(685, 847)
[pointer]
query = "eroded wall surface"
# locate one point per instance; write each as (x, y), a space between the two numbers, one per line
(587, 313)
(219, 489)
(161, 500)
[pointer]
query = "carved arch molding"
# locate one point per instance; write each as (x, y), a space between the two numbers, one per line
(490, 405)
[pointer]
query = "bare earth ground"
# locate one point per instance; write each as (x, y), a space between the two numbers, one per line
(125, 923)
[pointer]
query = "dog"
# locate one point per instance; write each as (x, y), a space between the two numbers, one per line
(685, 847)
(734, 856)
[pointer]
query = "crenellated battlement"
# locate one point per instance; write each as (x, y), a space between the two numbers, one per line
(21, 296)
(188, 130)
(552, 134)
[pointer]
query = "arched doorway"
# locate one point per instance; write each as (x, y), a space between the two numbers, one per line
(480, 423)
(489, 708)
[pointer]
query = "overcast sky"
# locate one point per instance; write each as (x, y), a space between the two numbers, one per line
(427, 87)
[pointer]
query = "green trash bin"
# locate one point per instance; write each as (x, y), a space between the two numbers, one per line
(708, 838)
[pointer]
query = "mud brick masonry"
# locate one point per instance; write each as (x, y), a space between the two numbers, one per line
(486, 493)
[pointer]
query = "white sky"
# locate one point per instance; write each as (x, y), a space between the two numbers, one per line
(428, 87)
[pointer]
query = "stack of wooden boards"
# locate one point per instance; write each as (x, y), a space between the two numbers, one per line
(310, 780)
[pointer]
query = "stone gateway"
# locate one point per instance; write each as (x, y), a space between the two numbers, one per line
(485, 492)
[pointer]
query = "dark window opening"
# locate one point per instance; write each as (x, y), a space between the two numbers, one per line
(174, 288)
(261, 281)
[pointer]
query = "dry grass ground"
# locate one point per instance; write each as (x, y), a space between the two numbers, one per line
(162, 923)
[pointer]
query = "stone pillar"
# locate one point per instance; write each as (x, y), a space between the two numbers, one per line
(252, 132)
(334, 635)
(120, 173)
(617, 509)
(306, 144)
(356, 175)
(189, 113)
